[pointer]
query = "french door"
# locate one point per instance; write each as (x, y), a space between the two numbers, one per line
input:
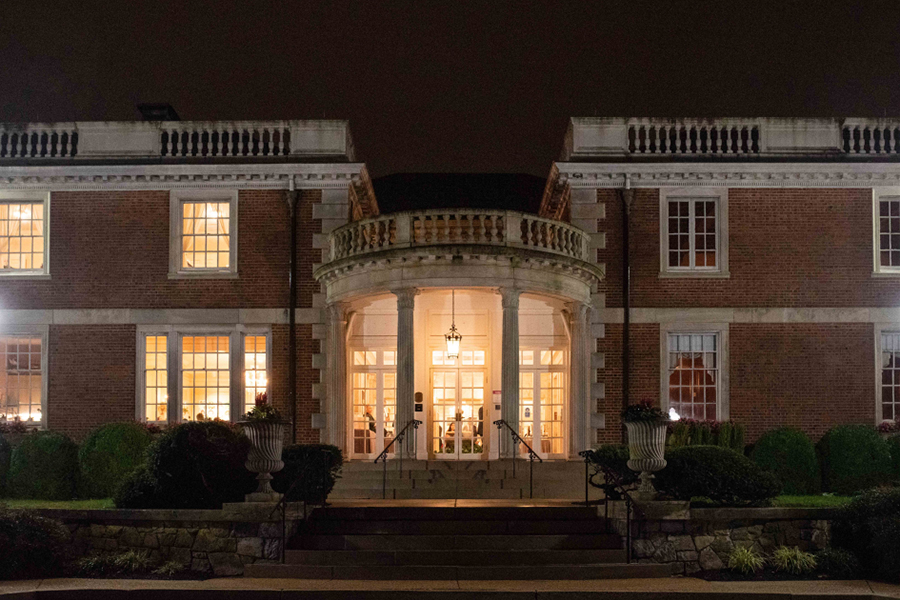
(458, 413)
(373, 393)
(542, 393)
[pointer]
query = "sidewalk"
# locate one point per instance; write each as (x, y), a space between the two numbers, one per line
(608, 589)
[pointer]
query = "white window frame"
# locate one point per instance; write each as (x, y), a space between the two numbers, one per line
(881, 328)
(379, 368)
(723, 401)
(720, 196)
(7, 196)
(235, 333)
(877, 195)
(34, 330)
(176, 230)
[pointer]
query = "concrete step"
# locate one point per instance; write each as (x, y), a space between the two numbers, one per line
(446, 527)
(558, 513)
(435, 494)
(450, 572)
(454, 557)
(459, 542)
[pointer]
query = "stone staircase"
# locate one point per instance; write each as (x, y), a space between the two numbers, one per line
(476, 542)
(432, 479)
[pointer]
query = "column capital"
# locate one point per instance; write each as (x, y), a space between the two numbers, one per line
(510, 297)
(581, 311)
(336, 311)
(406, 297)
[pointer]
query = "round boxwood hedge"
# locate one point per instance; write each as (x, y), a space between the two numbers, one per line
(33, 547)
(310, 472)
(108, 455)
(869, 527)
(718, 474)
(853, 458)
(5, 455)
(193, 465)
(44, 467)
(894, 446)
(791, 456)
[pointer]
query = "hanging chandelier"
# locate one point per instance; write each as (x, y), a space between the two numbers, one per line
(453, 338)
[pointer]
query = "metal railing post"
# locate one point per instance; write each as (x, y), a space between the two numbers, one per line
(384, 479)
(587, 479)
(531, 476)
(628, 529)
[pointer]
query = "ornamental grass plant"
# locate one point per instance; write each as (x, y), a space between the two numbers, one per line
(745, 560)
(792, 560)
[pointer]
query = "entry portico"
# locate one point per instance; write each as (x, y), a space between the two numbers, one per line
(518, 288)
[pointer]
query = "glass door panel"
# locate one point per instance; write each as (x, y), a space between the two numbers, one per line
(443, 397)
(526, 410)
(457, 414)
(471, 412)
(365, 401)
(551, 413)
(542, 398)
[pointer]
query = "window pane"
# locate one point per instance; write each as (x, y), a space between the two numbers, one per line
(20, 380)
(156, 393)
(206, 386)
(206, 235)
(22, 236)
(255, 376)
(693, 377)
(890, 375)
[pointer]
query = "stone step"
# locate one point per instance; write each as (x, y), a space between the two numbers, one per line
(448, 527)
(561, 512)
(450, 572)
(466, 475)
(459, 542)
(437, 494)
(454, 557)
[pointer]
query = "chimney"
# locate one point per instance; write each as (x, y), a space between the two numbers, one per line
(158, 111)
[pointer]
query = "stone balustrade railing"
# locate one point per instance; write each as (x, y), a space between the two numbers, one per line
(460, 226)
(174, 139)
(737, 137)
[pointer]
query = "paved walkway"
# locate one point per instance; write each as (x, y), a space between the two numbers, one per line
(247, 589)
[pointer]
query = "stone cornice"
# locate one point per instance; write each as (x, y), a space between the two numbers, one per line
(732, 175)
(155, 177)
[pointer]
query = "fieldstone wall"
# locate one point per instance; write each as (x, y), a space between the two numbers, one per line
(216, 542)
(702, 539)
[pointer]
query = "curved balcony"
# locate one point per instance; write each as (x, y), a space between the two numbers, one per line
(459, 247)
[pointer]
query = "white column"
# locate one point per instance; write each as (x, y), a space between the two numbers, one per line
(509, 376)
(406, 366)
(336, 359)
(580, 388)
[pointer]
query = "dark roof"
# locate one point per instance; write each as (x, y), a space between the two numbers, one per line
(420, 191)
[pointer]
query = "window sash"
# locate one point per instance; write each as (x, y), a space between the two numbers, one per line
(691, 233)
(890, 376)
(888, 239)
(22, 377)
(687, 379)
(202, 249)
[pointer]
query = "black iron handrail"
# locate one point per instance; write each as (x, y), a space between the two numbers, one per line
(609, 475)
(517, 439)
(282, 504)
(414, 423)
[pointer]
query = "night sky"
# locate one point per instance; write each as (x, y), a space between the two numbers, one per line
(454, 86)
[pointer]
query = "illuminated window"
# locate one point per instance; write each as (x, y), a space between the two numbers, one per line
(23, 233)
(440, 358)
(542, 398)
(203, 229)
(887, 239)
(693, 230)
(205, 378)
(890, 376)
(472, 357)
(156, 378)
(552, 357)
(255, 375)
(21, 379)
(390, 358)
(526, 357)
(693, 381)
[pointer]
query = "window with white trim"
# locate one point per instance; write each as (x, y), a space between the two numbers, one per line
(890, 375)
(22, 378)
(887, 232)
(542, 400)
(693, 232)
(199, 374)
(203, 233)
(693, 375)
(23, 233)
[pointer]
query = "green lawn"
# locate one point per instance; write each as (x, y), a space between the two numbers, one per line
(70, 504)
(811, 501)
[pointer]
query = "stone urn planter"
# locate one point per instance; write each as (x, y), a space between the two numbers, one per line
(267, 440)
(646, 427)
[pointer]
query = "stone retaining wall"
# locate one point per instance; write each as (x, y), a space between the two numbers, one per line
(702, 539)
(217, 542)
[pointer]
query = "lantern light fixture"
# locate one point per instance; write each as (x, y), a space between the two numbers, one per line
(453, 337)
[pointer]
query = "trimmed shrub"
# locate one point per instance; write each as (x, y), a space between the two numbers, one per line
(612, 458)
(689, 432)
(33, 546)
(719, 474)
(869, 527)
(893, 445)
(837, 563)
(44, 467)
(192, 465)
(317, 466)
(5, 455)
(110, 454)
(791, 456)
(853, 458)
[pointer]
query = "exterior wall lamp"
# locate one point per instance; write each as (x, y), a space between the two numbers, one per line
(453, 337)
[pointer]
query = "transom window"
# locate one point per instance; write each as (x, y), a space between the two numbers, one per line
(888, 242)
(467, 358)
(205, 385)
(21, 378)
(203, 233)
(890, 376)
(693, 375)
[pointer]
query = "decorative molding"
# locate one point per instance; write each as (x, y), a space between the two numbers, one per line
(158, 316)
(161, 177)
(753, 315)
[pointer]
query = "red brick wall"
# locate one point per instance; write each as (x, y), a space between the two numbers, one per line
(111, 250)
(787, 248)
(809, 376)
(92, 376)
(306, 377)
